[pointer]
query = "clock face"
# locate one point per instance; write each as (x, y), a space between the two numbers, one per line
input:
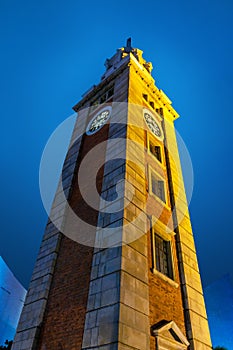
(98, 120)
(153, 124)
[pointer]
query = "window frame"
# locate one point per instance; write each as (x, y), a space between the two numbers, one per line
(161, 230)
(152, 171)
(153, 140)
(104, 97)
(165, 257)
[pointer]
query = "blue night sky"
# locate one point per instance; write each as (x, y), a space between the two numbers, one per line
(53, 51)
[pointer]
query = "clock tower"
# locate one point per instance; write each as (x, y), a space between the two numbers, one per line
(117, 266)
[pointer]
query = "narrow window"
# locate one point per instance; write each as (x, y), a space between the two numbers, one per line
(159, 111)
(145, 97)
(103, 98)
(156, 151)
(95, 103)
(158, 187)
(110, 92)
(163, 256)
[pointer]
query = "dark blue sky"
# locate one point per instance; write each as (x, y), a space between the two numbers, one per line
(53, 51)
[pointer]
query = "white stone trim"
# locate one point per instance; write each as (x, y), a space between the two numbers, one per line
(166, 341)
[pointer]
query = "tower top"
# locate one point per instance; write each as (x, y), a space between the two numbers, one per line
(125, 51)
(128, 44)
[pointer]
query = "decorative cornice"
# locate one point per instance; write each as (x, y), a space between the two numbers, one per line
(106, 80)
(160, 332)
(161, 97)
(130, 60)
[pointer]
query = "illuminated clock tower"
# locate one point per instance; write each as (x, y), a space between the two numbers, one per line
(117, 266)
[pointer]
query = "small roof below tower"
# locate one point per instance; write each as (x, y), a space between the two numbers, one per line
(169, 336)
(124, 51)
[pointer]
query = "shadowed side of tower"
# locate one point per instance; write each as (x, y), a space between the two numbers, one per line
(119, 270)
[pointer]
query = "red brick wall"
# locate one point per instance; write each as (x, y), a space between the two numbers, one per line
(165, 299)
(63, 324)
(65, 315)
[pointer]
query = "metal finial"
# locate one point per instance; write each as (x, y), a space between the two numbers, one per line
(129, 43)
